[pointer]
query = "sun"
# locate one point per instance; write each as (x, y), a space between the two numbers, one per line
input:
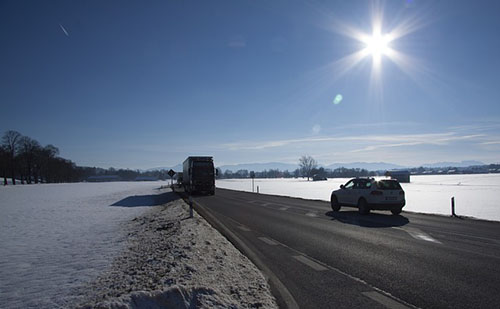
(377, 44)
(380, 43)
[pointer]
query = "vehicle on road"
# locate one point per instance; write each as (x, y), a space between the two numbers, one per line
(317, 177)
(198, 175)
(179, 179)
(369, 194)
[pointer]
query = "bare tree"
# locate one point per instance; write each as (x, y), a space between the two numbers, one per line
(44, 158)
(307, 164)
(9, 141)
(4, 158)
(28, 149)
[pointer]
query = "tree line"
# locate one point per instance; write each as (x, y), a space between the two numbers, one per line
(308, 167)
(25, 160)
(340, 172)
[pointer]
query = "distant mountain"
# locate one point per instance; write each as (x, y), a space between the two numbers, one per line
(370, 166)
(176, 168)
(259, 167)
(453, 164)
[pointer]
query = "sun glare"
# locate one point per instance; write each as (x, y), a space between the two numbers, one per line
(377, 44)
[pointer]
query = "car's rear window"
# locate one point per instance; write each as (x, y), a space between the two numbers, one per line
(388, 185)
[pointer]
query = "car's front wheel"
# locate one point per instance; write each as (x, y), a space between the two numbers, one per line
(396, 211)
(335, 203)
(363, 207)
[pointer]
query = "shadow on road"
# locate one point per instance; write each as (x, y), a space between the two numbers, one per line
(147, 200)
(371, 220)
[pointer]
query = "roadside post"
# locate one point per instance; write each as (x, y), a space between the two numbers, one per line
(171, 173)
(252, 175)
(453, 214)
(257, 189)
(190, 206)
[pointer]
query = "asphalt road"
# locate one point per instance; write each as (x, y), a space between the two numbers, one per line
(345, 260)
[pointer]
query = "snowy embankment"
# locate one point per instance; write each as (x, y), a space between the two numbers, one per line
(115, 243)
(174, 261)
(475, 195)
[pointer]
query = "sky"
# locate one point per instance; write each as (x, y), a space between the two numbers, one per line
(144, 84)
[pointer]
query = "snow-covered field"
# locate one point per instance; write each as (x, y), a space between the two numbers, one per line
(117, 245)
(53, 237)
(475, 195)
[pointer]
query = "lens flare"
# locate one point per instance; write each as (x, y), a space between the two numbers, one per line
(338, 99)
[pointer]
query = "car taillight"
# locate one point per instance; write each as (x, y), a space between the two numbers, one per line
(376, 193)
(401, 192)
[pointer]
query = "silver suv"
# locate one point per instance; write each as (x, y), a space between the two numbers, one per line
(368, 194)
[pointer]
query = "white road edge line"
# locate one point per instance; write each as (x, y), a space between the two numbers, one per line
(268, 241)
(310, 263)
(384, 300)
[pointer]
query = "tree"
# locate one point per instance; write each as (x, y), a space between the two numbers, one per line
(4, 157)
(10, 141)
(307, 164)
(28, 150)
(44, 158)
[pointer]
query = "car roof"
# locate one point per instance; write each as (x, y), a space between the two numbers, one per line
(364, 178)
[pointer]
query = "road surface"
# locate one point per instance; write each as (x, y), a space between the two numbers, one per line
(344, 260)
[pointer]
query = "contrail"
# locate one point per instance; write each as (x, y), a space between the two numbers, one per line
(64, 30)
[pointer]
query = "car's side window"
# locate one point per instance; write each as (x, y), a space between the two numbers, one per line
(362, 184)
(349, 185)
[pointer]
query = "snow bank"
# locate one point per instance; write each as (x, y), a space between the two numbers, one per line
(178, 262)
(475, 195)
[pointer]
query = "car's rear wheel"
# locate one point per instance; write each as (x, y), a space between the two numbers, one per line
(396, 211)
(335, 203)
(363, 207)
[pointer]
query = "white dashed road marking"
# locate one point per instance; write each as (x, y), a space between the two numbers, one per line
(243, 228)
(418, 234)
(268, 241)
(311, 214)
(310, 263)
(284, 208)
(384, 300)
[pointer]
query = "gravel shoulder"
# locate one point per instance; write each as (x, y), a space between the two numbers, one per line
(177, 262)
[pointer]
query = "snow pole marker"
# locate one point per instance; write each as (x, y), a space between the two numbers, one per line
(190, 206)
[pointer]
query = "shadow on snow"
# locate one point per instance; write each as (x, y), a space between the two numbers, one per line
(371, 220)
(147, 200)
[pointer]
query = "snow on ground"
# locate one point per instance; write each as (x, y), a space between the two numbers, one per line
(475, 195)
(54, 238)
(174, 261)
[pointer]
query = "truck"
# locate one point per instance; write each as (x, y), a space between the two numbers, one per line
(198, 175)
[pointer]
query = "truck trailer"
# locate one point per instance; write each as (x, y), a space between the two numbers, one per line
(198, 175)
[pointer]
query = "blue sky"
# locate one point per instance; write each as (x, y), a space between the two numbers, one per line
(141, 84)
